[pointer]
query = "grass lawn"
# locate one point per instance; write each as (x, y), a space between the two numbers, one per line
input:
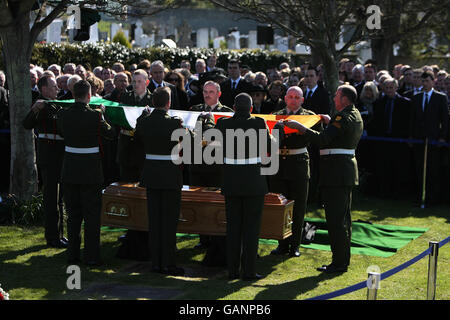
(30, 270)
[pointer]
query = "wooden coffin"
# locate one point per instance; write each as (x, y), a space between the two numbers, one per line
(124, 205)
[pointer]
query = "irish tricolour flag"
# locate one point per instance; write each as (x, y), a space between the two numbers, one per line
(126, 116)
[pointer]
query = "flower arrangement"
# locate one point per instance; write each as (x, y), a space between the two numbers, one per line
(3, 294)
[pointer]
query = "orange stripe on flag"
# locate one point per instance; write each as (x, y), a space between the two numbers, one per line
(271, 119)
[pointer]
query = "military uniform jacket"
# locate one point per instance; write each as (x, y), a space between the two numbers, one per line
(219, 108)
(293, 167)
(50, 145)
(207, 124)
(81, 127)
(154, 131)
(130, 152)
(343, 132)
(243, 179)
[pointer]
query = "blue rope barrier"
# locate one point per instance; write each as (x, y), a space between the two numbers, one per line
(383, 276)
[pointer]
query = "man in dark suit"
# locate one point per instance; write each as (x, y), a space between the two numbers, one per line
(317, 99)
(157, 80)
(393, 160)
(408, 82)
(163, 180)
(358, 78)
(417, 84)
(234, 85)
(50, 151)
(429, 120)
(120, 87)
(292, 178)
(82, 172)
(244, 188)
(338, 172)
(70, 83)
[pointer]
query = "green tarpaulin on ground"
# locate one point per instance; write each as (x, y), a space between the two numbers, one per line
(367, 238)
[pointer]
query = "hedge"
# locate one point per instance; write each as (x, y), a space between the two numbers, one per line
(106, 53)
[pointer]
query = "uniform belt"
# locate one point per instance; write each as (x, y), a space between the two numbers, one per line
(129, 133)
(242, 161)
(50, 136)
(168, 157)
(82, 150)
(290, 152)
(325, 152)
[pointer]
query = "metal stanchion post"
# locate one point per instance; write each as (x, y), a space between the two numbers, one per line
(424, 176)
(373, 284)
(432, 269)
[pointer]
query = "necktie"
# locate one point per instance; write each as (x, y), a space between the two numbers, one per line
(309, 94)
(389, 109)
(208, 109)
(425, 105)
(233, 85)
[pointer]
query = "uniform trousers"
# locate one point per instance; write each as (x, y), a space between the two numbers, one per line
(83, 202)
(51, 195)
(243, 227)
(337, 201)
(163, 213)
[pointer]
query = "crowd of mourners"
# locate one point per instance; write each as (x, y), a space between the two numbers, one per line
(401, 108)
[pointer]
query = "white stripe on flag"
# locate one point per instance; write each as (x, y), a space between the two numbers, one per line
(189, 117)
(131, 114)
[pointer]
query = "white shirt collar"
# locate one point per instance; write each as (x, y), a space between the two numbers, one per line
(237, 81)
(313, 89)
(157, 84)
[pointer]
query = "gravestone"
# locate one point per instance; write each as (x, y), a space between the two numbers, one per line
(54, 31)
(203, 38)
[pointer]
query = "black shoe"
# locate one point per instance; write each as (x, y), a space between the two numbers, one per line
(294, 253)
(256, 276)
(173, 271)
(233, 276)
(332, 269)
(60, 244)
(279, 251)
(200, 246)
(156, 269)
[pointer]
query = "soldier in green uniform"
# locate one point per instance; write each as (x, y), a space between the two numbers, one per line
(203, 175)
(292, 178)
(130, 153)
(82, 173)
(338, 171)
(163, 180)
(244, 188)
(50, 151)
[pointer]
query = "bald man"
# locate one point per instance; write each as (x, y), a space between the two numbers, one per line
(292, 179)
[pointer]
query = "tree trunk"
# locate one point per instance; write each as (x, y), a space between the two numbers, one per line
(383, 53)
(16, 55)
